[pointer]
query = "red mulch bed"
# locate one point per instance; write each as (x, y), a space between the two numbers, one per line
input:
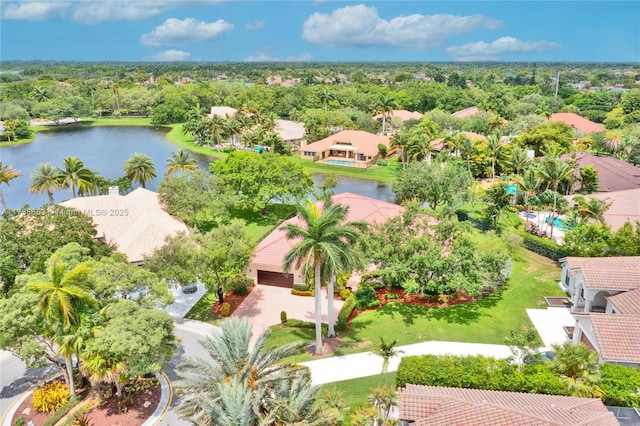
(232, 299)
(105, 414)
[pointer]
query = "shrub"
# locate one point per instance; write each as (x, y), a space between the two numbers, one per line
(283, 317)
(382, 162)
(82, 419)
(621, 385)
(308, 293)
(366, 298)
(543, 246)
(345, 293)
(442, 299)
(50, 397)
(391, 296)
(345, 312)
(225, 309)
(62, 411)
(20, 421)
(296, 323)
(228, 149)
(241, 287)
(301, 286)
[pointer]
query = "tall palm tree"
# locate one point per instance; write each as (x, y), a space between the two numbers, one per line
(517, 159)
(140, 168)
(554, 171)
(46, 178)
(41, 93)
(216, 126)
(529, 183)
(494, 147)
(324, 238)
(401, 141)
(465, 146)
(386, 350)
(384, 106)
(495, 124)
(75, 174)
(10, 127)
(180, 161)
(253, 367)
(62, 296)
(7, 174)
(326, 96)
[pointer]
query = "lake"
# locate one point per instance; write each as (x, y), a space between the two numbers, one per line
(105, 149)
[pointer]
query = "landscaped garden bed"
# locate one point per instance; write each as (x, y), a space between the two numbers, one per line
(558, 302)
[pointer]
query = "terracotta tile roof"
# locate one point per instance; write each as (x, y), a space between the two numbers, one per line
(625, 206)
(271, 250)
(611, 279)
(438, 144)
(430, 405)
(136, 222)
(618, 336)
(603, 263)
(613, 174)
(402, 114)
(467, 112)
(577, 122)
(626, 303)
(365, 142)
(222, 111)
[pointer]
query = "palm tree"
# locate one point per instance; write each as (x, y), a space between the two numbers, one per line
(326, 96)
(386, 350)
(62, 295)
(46, 178)
(75, 174)
(6, 175)
(10, 127)
(594, 208)
(494, 147)
(253, 368)
(180, 161)
(384, 106)
(324, 238)
(518, 159)
(613, 139)
(401, 141)
(465, 146)
(578, 367)
(554, 171)
(216, 126)
(495, 124)
(529, 183)
(41, 93)
(140, 168)
(543, 110)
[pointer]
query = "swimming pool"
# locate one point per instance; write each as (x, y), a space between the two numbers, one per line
(340, 163)
(558, 223)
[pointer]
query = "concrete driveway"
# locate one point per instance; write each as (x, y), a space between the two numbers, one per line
(265, 302)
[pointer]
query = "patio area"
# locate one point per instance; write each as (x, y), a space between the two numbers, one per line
(552, 324)
(538, 219)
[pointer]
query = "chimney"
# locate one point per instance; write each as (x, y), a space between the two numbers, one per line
(114, 190)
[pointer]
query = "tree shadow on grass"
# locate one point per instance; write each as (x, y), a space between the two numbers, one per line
(464, 313)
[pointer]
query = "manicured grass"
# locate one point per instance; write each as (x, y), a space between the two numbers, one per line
(124, 121)
(378, 173)
(485, 321)
(356, 391)
(202, 309)
(257, 225)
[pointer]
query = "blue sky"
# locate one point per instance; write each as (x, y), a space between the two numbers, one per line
(214, 30)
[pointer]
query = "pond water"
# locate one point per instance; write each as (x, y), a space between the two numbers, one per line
(105, 149)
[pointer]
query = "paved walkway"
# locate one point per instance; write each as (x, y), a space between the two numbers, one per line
(335, 369)
(550, 322)
(183, 301)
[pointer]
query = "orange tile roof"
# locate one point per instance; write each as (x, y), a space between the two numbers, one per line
(595, 277)
(577, 122)
(271, 250)
(222, 111)
(618, 336)
(430, 405)
(402, 114)
(365, 142)
(626, 303)
(625, 206)
(603, 263)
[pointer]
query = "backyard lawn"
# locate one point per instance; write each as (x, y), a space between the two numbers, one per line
(356, 391)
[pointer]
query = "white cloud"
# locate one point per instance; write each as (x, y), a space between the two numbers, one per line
(360, 26)
(269, 56)
(93, 12)
(257, 25)
(482, 51)
(170, 56)
(35, 11)
(175, 31)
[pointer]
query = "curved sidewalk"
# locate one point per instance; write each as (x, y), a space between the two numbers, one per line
(346, 367)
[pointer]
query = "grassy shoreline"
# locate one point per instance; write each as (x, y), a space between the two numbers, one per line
(384, 174)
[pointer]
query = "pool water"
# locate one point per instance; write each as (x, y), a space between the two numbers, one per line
(340, 163)
(558, 223)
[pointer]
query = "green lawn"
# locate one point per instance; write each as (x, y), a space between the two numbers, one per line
(485, 321)
(378, 173)
(356, 391)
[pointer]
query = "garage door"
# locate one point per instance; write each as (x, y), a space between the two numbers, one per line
(275, 278)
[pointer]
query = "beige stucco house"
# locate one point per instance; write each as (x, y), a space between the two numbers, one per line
(348, 148)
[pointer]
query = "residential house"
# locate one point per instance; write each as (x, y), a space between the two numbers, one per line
(291, 132)
(222, 111)
(605, 295)
(625, 206)
(467, 112)
(266, 264)
(581, 126)
(439, 145)
(442, 406)
(613, 174)
(135, 223)
(349, 148)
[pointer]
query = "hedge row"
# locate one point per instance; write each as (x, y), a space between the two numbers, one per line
(619, 384)
(543, 246)
(308, 293)
(62, 411)
(345, 312)
(477, 372)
